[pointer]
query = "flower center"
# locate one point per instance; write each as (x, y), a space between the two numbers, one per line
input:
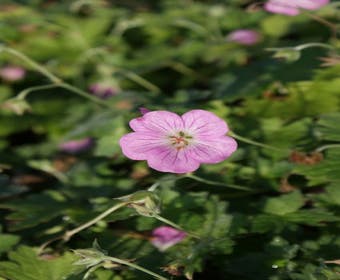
(180, 140)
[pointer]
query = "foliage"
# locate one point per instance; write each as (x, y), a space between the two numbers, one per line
(271, 211)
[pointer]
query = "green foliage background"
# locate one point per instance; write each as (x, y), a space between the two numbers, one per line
(172, 55)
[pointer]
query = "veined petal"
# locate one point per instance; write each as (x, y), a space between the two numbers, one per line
(204, 123)
(212, 150)
(157, 121)
(138, 145)
(171, 160)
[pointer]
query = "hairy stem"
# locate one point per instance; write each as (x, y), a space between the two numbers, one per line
(252, 142)
(325, 147)
(72, 232)
(209, 182)
(135, 266)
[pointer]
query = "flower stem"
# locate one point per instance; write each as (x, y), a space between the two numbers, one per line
(57, 82)
(23, 94)
(135, 266)
(321, 20)
(139, 80)
(325, 147)
(312, 45)
(209, 182)
(33, 64)
(164, 220)
(72, 232)
(252, 142)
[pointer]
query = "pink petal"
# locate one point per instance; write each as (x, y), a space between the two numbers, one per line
(164, 237)
(138, 145)
(244, 37)
(311, 4)
(169, 159)
(213, 150)
(157, 121)
(204, 123)
(282, 7)
(76, 146)
(144, 110)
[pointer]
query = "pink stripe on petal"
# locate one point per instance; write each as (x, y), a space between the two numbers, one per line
(157, 121)
(200, 122)
(213, 150)
(139, 146)
(171, 160)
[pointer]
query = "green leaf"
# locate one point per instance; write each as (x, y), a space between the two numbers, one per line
(284, 204)
(329, 128)
(34, 210)
(325, 171)
(7, 241)
(25, 264)
(313, 217)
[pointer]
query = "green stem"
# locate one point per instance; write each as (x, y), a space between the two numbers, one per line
(72, 232)
(23, 94)
(135, 266)
(209, 182)
(312, 45)
(166, 221)
(33, 64)
(249, 141)
(84, 94)
(54, 79)
(325, 147)
(139, 80)
(321, 20)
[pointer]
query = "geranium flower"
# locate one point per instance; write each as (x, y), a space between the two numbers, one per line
(76, 146)
(178, 144)
(103, 90)
(164, 237)
(292, 7)
(244, 37)
(12, 73)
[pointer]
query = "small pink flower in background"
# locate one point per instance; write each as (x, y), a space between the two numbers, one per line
(144, 110)
(244, 37)
(12, 73)
(178, 144)
(292, 7)
(164, 237)
(76, 146)
(103, 91)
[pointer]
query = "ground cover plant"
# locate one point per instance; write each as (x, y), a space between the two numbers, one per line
(169, 139)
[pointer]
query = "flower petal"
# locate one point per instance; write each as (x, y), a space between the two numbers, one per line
(212, 150)
(311, 4)
(157, 121)
(164, 237)
(169, 159)
(138, 146)
(281, 7)
(204, 123)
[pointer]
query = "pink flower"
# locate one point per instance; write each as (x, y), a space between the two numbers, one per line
(178, 144)
(12, 73)
(292, 7)
(103, 91)
(76, 146)
(244, 37)
(164, 237)
(144, 110)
